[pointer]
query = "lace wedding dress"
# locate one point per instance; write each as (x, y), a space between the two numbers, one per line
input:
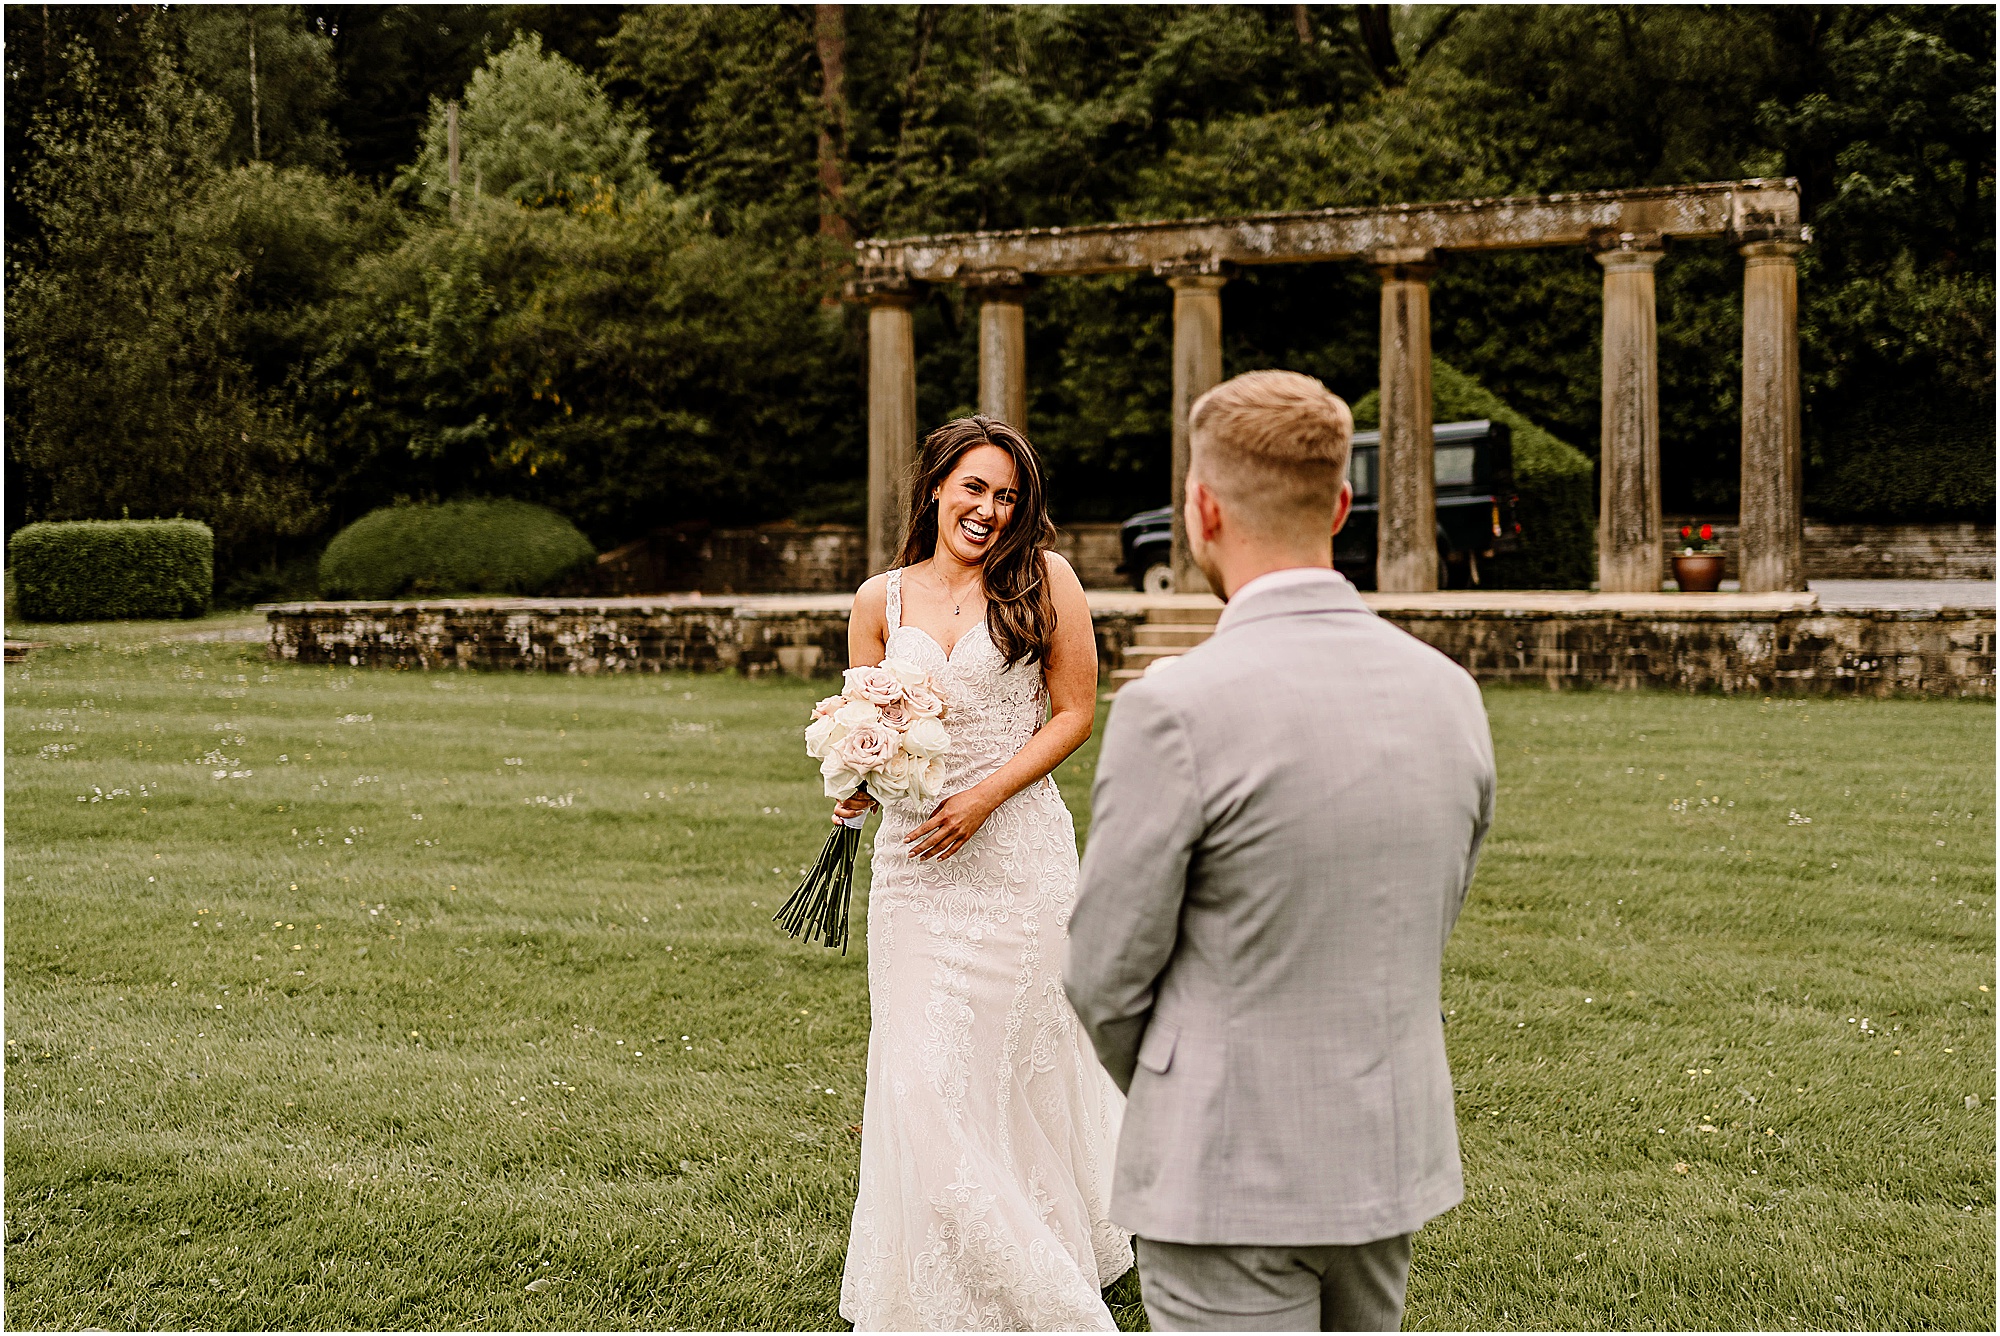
(988, 1127)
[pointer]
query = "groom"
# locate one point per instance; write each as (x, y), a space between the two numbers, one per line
(1283, 828)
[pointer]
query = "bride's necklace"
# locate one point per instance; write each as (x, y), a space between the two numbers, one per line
(956, 598)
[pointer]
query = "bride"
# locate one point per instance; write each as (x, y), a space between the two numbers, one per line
(988, 1128)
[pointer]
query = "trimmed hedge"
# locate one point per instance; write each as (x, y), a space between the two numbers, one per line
(101, 570)
(460, 547)
(1557, 508)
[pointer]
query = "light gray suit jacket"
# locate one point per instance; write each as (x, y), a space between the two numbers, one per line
(1283, 829)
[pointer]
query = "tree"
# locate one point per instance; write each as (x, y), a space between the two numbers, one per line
(158, 329)
(534, 129)
(44, 44)
(830, 43)
(274, 74)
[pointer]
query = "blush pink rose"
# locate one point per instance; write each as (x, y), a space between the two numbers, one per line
(921, 702)
(877, 686)
(866, 748)
(895, 714)
(828, 706)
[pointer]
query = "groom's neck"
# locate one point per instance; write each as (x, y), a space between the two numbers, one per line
(1239, 564)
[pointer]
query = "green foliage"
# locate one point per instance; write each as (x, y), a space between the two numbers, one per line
(459, 547)
(102, 570)
(618, 361)
(284, 120)
(534, 129)
(156, 341)
(1556, 509)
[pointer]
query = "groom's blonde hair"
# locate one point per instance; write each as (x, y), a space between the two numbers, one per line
(1273, 446)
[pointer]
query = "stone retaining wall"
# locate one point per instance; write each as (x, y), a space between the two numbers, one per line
(1870, 653)
(805, 637)
(1866, 653)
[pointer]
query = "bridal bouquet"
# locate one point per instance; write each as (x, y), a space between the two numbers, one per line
(884, 731)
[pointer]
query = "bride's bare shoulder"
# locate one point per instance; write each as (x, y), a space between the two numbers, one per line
(871, 601)
(1064, 585)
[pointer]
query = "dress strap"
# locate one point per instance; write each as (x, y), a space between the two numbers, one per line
(895, 609)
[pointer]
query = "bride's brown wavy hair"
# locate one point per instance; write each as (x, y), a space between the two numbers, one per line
(1020, 615)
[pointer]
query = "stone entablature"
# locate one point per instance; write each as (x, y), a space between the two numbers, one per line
(1737, 210)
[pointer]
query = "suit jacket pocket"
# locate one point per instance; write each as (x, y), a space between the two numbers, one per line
(1156, 1050)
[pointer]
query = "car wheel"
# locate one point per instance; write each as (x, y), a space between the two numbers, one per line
(1158, 579)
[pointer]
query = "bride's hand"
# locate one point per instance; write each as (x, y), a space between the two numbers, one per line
(957, 819)
(852, 806)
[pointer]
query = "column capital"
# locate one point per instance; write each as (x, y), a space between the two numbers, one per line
(1192, 271)
(1771, 240)
(1404, 264)
(994, 285)
(881, 288)
(1628, 250)
(1767, 251)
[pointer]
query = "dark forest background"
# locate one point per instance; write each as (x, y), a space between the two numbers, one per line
(238, 288)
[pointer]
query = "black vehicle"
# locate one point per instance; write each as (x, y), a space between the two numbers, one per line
(1475, 511)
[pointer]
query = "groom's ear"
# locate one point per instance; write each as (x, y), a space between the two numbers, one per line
(1342, 505)
(1206, 509)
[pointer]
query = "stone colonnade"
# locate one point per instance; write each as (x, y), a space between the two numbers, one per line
(1631, 545)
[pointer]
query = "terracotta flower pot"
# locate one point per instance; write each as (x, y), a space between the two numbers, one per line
(1700, 573)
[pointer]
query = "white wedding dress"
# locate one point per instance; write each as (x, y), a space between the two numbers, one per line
(988, 1127)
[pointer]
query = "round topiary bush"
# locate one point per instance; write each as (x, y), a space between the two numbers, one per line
(460, 547)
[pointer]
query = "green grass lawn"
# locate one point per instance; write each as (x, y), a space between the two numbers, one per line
(345, 998)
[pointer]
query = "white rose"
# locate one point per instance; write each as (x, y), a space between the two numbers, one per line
(878, 685)
(892, 779)
(925, 738)
(819, 734)
(927, 780)
(906, 673)
(856, 713)
(840, 781)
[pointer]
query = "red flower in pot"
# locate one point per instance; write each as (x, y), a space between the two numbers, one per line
(1698, 565)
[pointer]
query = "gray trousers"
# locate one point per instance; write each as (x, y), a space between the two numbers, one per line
(1200, 1287)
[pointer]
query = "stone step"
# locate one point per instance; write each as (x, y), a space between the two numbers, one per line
(1170, 635)
(1120, 676)
(1194, 616)
(1144, 656)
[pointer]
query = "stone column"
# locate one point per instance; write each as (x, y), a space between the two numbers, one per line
(892, 415)
(1773, 479)
(1406, 468)
(1197, 289)
(1629, 553)
(1003, 345)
